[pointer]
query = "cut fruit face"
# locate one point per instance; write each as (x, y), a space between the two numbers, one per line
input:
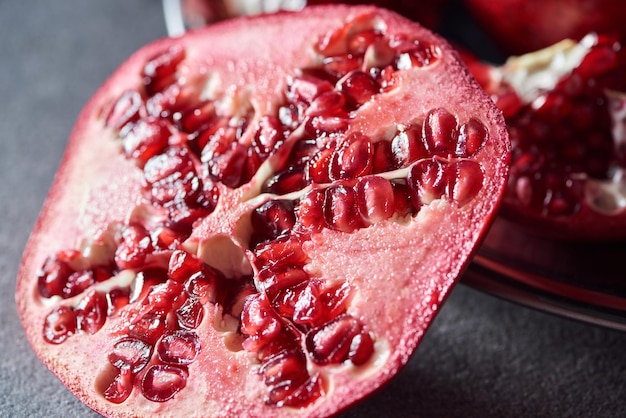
(262, 217)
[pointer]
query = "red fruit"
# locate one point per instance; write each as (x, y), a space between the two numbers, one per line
(566, 124)
(200, 12)
(520, 26)
(233, 288)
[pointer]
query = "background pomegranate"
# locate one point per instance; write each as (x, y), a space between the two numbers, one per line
(200, 12)
(519, 26)
(227, 219)
(564, 107)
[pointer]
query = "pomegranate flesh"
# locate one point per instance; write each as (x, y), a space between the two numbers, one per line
(564, 108)
(262, 217)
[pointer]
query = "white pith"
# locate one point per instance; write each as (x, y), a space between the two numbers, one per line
(537, 72)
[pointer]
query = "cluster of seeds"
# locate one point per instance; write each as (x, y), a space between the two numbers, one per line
(323, 178)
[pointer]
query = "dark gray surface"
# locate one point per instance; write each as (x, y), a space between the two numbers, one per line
(483, 357)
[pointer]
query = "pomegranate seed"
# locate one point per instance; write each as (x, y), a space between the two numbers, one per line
(148, 328)
(327, 103)
(290, 180)
(330, 344)
(304, 394)
(282, 252)
(162, 298)
(404, 202)
(162, 381)
(378, 56)
(77, 283)
(130, 353)
(201, 285)
(598, 61)
(418, 55)
(273, 219)
(145, 280)
(183, 265)
(290, 116)
(472, 137)
(269, 136)
(226, 166)
(59, 325)
(53, 276)
(317, 169)
(358, 88)
(288, 340)
(465, 179)
(273, 281)
(308, 308)
(183, 187)
(440, 132)
(407, 147)
(352, 158)
(339, 65)
(166, 103)
(287, 366)
(259, 322)
(198, 118)
(361, 349)
(174, 161)
(146, 138)
(374, 199)
(160, 70)
(190, 314)
(121, 387)
(325, 124)
(335, 300)
(306, 88)
(125, 110)
(427, 180)
(302, 150)
(136, 244)
(284, 300)
(360, 42)
(91, 312)
(179, 347)
(340, 209)
(310, 211)
(382, 157)
(116, 299)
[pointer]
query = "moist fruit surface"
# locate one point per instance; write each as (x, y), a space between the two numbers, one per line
(262, 217)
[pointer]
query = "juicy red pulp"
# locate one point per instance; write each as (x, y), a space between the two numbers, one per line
(161, 288)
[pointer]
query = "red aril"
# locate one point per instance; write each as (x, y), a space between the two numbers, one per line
(267, 260)
(564, 112)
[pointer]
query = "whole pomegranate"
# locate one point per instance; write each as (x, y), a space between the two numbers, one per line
(566, 116)
(262, 217)
(520, 26)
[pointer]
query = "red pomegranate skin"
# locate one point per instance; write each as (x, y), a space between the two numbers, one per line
(398, 270)
(520, 26)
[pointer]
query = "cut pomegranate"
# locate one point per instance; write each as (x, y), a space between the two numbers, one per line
(262, 218)
(565, 119)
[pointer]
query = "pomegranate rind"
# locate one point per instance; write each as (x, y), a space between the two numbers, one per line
(519, 26)
(402, 271)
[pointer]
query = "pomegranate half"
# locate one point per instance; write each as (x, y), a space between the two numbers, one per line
(262, 217)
